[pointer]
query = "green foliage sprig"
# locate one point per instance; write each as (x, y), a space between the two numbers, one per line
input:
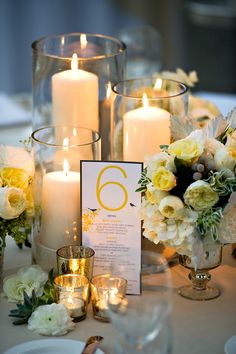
(17, 228)
(25, 310)
(221, 183)
(144, 180)
(208, 221)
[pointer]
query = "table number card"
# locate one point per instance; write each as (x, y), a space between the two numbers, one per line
(110, 218)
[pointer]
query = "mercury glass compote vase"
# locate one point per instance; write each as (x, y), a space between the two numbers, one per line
(200, 276)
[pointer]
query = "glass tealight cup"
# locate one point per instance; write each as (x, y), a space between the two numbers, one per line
(73, 292)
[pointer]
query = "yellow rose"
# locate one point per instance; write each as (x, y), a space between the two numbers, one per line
(15, 177)
(186, 149)
(163, 179)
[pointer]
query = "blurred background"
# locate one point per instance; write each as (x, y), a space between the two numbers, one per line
(192, 35)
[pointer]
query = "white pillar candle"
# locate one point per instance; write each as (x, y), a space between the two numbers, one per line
(75, 97)
(144, 129)
(60, 208)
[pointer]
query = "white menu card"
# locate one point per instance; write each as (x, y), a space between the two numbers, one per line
(111, 223)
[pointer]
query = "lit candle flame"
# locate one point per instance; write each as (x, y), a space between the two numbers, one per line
(74, 62)
(66, 166)
(158, 85)
(83, 41)
(108, 93)
(145, 100)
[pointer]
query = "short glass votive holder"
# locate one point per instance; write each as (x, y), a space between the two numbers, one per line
(76, 260)
(102, 287)
(144, 111)
(73, 292)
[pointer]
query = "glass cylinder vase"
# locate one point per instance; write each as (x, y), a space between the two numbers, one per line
(57, 153)
(72, 77)
(143, 110)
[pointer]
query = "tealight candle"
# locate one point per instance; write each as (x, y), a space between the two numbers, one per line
(103, 287)
(73, 292)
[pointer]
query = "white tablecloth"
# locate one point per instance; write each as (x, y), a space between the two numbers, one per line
(198, 327)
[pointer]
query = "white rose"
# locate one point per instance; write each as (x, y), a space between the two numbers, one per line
(224, 159)
(16, 157)
(12, 202)
(171, 206)
(27, 279)
(51, 320)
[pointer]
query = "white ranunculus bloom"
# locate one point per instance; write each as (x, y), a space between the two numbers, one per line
(51, 320)
(16, 157)
(12, 202)
(199, 195)
(27, 279)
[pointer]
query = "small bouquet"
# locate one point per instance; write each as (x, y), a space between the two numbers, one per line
(189, 199)
(16, 193)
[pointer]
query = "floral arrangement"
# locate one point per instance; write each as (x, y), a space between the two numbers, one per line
(16, 194)
(189, 199)
(33, 291)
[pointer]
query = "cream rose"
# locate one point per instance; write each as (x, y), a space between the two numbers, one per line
(51, 320)
(163, 179)
(199, 195)
(225, 158)
(188, 149)
(171, 206)
(12, 202)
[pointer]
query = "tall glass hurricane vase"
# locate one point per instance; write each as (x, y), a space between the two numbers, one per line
(72, 78)
(143, 112)
(57, 153)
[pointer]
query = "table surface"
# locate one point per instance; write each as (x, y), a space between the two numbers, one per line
(197, 327)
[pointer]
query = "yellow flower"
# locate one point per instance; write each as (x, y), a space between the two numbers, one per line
(186, 149)
(163, 179)
(15, 177)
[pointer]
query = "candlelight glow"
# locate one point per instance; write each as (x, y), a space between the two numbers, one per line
(145, 100)
(83, 41)
(74, 62)
(158, 85)
(65, 144)
(66, 166)
(74, 265)
(108, 93)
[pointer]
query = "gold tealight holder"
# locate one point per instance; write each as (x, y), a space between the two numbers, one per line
(103, 287)
(73, 292)
(76, 260)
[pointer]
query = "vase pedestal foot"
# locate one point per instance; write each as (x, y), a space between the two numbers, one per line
(200, 295)
(199, 288)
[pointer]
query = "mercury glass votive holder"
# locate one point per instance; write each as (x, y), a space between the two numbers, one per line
(102, 287)
(72, 75)
(143, 113)
(73, 292)
(75, 259)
